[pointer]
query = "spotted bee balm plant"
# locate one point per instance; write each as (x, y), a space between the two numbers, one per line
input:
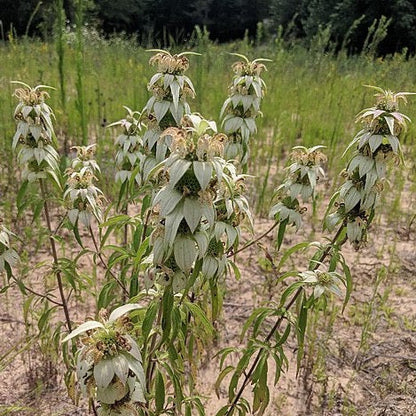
(182, 243)
(200, 192)
(242, 107)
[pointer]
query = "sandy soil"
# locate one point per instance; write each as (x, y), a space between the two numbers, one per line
(360, 362)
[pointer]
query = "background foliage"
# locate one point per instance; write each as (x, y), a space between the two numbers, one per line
(165, 21)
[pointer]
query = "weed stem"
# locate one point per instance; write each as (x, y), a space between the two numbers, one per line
(104, 263)
(256, 240)
(55, 255)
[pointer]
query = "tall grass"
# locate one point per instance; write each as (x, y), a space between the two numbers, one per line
(312, 94)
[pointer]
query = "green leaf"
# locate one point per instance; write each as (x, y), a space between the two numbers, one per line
(302, 321)
(167, 306)
(200, 317)
(159, 392)
(281, 232)
(106, 294)
(149, 319)
(348, 283)
(45, 317)
(227, 370)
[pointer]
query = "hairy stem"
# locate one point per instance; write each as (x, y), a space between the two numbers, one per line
(55, 255)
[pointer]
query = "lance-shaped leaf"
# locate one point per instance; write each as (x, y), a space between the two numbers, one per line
(185, 252)
(192, 211)
(203, 172)
(87, 326)
(122, 310)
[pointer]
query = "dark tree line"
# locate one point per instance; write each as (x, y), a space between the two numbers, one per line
(224, 19)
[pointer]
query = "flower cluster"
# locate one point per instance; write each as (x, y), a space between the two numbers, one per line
(200, 185)
(376, 144)
(8, 256)
(322, 282)
(34, 134)
(302, 176)
(83, 197)
(170, 89)
(130, 147)
(241, 108)
(109, 363)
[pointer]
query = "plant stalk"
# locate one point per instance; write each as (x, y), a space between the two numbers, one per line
(104, 263)
(55, 256)
(256, 240)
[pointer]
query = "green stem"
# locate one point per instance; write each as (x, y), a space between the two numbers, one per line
(104, 263)
(55, 255)
(279, 321)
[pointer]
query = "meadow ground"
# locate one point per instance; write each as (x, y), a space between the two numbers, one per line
(360, 362)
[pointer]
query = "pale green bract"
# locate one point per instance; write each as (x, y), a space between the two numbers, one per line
(84, 199)
(201, 206)
(131, 152)
(376, 144)
(302, 176)
(242, 107)
(8, 256)
(35, 135)
(322, 282)
(109, 364)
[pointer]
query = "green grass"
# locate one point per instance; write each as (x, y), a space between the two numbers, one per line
(312, 97)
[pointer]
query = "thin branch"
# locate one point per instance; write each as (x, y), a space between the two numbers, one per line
(55, 256)
(256, 240)
(105, 265)
(37, 293)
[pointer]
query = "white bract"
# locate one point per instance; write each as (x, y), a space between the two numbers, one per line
(200, 207)
(322, 282)
(376, 144)
(241, 108)
(131, 153)
(34, 135)
(170, 88)
(84, 199)
(109, 364)
(302, 176)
